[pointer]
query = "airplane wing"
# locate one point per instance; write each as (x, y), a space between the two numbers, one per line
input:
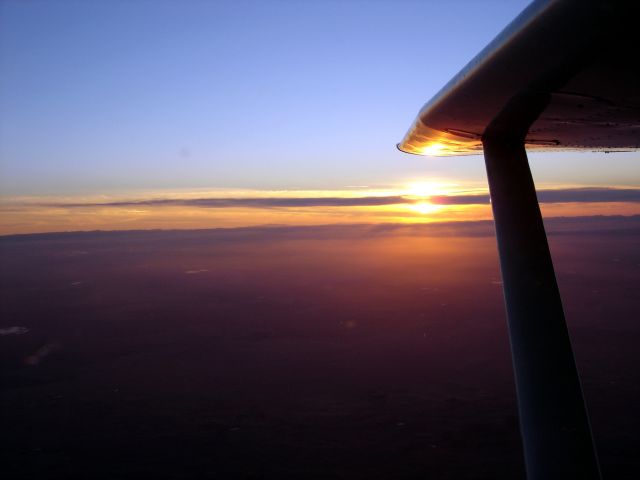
(581, 54)
(562, 75)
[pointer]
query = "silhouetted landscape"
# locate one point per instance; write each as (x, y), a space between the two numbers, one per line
(346, 352)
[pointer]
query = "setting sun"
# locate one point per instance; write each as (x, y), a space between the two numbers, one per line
(421, 192)
(425, 208)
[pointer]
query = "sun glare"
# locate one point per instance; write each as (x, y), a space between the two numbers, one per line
(433, 149)
(425, 208)
(421, 192)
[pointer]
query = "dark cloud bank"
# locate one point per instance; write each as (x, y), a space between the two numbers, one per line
(568, 195)
(579, 195)
(595, 224)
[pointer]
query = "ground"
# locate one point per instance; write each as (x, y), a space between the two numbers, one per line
(344, 352)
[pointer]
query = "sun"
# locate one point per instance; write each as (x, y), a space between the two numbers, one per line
(421, 193)
(425, 208)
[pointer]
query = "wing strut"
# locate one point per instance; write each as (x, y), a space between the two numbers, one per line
(553, 418)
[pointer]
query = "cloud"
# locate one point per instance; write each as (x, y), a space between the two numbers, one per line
(480, 199)
(255, 202)
(610, 224)
(567, 195)
(590, 195)
(13, 331)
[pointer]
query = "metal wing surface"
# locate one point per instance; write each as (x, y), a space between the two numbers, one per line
(581, 54)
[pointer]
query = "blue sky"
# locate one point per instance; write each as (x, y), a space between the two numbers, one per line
(109, 96)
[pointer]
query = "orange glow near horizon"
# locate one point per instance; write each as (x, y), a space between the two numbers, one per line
(425, 208)
(156, 211)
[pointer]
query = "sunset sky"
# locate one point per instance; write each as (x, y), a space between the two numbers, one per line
(117, 115)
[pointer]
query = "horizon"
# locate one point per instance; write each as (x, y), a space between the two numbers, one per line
(415, 203)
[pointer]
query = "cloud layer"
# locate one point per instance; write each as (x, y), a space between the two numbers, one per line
(569, 195)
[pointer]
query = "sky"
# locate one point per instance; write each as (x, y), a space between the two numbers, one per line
(139, 99)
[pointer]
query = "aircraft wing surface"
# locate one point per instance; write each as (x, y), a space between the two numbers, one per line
(581, 56)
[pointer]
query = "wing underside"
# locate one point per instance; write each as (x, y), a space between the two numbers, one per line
(579, 54)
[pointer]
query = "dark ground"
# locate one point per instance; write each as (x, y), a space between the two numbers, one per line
(355, 352)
